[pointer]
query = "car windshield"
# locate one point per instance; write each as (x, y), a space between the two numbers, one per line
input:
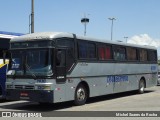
(35, 62)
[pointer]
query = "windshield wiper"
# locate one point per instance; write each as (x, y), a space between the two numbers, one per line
(29, 69)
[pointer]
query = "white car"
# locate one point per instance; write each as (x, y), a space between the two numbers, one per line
(158, 81)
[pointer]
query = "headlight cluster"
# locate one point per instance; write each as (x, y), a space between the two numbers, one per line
(9, 87)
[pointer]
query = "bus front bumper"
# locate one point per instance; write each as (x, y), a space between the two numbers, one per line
(30, 95)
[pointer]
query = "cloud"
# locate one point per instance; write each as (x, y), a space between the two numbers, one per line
(144, 39)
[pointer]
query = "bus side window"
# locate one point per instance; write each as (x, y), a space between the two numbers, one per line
(131, 54)
(83, 50)
(101, 53)
(119, 53)
(152, 55)
(143, 55)
(91, 51)
(108, 52)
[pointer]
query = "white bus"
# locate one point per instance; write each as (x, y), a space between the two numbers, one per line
(53, 67)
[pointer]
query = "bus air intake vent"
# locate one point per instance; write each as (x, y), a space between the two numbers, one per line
(24, 87)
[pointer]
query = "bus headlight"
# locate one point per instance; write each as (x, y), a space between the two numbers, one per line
(9, 86)
(44, 87)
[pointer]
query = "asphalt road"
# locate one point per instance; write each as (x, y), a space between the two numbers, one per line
(128, 101)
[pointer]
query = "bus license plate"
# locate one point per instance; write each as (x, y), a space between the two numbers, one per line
(24, 96)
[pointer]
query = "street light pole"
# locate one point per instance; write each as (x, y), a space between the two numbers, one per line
(126, 38)
(112, 19)
(85, 21)
(32, 17)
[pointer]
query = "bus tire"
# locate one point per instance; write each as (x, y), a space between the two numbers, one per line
(80, 95)
(141, 86)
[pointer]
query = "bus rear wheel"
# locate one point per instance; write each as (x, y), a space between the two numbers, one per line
(141, 86)
(80, 95)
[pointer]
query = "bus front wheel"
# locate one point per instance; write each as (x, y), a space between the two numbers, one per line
(141, 86)
(80, 95)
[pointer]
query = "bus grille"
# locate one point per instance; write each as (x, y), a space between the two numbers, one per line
(24, 87)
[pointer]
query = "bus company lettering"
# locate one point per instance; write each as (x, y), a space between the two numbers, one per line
(41, 81)
(15, 63)
(153, 68)
(111, 79)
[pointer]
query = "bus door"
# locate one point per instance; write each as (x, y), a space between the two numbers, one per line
(61, 65)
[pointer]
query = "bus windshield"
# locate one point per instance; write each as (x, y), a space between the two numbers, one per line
(32, 62)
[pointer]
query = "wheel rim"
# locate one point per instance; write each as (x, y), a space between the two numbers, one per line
(142, 86)
(81, 94)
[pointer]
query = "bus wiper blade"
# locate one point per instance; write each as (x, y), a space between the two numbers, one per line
(33, 75)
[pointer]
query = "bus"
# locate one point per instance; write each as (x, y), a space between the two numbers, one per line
(52, 67)
(4, 57)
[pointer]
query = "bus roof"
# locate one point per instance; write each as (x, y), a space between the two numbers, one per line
(4, 34)
(53, 35)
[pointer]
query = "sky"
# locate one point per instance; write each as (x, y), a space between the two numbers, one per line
(139, 20)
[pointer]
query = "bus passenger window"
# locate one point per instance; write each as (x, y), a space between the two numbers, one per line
(143, 55)
(108, 52)
(83, 50)
(152, 55)
(131, 53)
(119, 53)
(91, 50)
(101, 53)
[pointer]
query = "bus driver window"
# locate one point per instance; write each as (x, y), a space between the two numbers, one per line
(60, 59)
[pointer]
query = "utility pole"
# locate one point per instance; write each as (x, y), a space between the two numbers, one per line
(32, 17)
